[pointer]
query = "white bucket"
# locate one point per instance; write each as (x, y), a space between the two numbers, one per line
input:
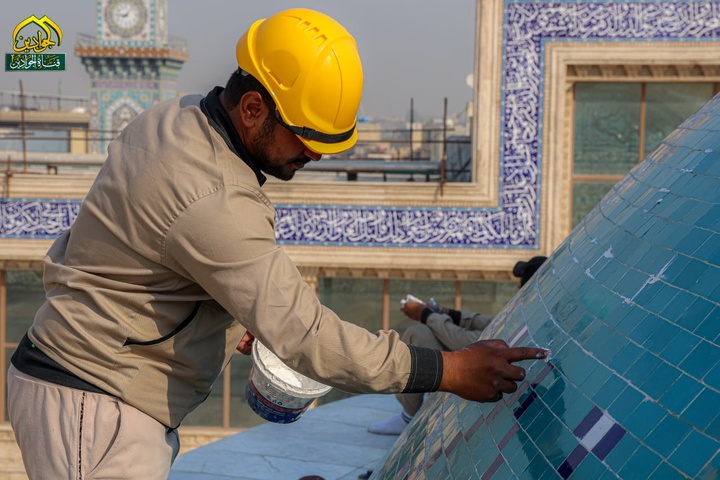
(276, 392)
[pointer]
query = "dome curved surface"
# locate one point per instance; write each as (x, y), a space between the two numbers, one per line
(629, 304)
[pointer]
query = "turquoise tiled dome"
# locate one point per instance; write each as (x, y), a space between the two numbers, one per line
(629, 305)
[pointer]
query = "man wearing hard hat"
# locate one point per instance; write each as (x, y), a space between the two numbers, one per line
(172, 264)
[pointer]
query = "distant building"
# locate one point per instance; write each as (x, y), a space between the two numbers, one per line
(132, 63)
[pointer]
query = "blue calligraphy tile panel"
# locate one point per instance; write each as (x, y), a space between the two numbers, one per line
(515, 221)
(629, 305)
(27, 218)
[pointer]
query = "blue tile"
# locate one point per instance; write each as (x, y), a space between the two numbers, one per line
(707, 282)
(694, 313)
(676, 268)
(615, 344)
(701, 359)
(619, 455)
(644, 418)
(691, 274)
(680, 394)
(540, 423)
(502, 472)
(703, 409)
(666, 472)
(600, 338)
(684, 343)
(626, 358)
(624, 405)
(692, 454)
(693, 240)
(667, 434)
(555, 441)
(595, 380)
(531, 409)
(590, 467)
(713, 430)
(540, 468)
(631, 282)
(641, 464)
(713, 377)
(665, 333)
(630, 322)
(710, 219)
(712, 468)
(681, 212)
(439, 469)
(660, 380)
(572, 407)
(610, 391)
(662, 296)
(680, 303)
(503, 422)
(577, 364)
(708, 251)
(708, 329)
(643, 368)
(645, 328)
(514, 454)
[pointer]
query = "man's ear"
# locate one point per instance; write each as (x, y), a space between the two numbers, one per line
(253, 109)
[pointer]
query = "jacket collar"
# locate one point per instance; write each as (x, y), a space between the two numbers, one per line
(221, 122)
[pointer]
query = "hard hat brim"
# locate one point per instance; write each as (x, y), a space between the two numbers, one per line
(330, 148)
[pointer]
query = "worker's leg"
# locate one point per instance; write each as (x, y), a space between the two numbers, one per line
(419, 335)
(65, 433)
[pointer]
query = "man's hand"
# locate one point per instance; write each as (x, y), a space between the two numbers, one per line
(413, 310)
(245, 345)
(484, 370)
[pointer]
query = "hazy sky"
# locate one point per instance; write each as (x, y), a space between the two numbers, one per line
(420, 49)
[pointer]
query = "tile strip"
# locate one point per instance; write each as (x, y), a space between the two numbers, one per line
(572, 462)
(513, 430)
(493, 468)
(474, 427)
(609, 441)
(588, 422)
(525, 404)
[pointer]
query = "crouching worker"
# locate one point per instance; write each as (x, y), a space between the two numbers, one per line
(443, 329)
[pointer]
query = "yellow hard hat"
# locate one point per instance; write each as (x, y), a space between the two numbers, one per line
(310, 65)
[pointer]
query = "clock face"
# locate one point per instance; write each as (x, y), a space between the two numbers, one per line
(126, 18)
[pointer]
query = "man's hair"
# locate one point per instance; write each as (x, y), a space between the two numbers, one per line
(525, 270)
(240, 83)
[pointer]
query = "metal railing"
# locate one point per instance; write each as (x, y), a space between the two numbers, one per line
(12, 100)
(172, 43)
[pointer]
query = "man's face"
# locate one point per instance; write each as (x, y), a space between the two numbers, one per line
(278, 152)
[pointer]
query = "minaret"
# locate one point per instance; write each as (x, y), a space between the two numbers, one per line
(132, 63)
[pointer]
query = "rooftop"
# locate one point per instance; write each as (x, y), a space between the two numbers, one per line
(330, 442)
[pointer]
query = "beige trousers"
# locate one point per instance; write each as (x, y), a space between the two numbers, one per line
(64, 433)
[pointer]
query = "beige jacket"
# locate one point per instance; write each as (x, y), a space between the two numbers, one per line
(172, 256)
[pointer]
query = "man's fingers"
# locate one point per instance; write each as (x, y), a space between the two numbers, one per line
(516, 354)
(495, 343)
(506, 386)
(496, 398)
(514, 373)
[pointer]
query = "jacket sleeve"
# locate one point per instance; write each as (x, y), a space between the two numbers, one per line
(226, 243)
(460, 336)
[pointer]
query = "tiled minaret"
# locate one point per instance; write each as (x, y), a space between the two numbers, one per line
(629, 305)
(132, 63)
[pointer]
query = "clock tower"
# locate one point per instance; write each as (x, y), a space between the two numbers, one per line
(132, 63)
